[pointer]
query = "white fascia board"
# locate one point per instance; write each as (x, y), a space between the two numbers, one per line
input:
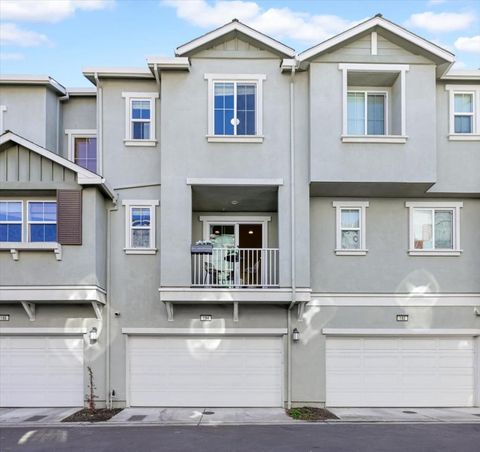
(387, 25)
(33, 80)
(377, 67)
(399, 332)
(462, 75)
(206, 331)
(163, 63)
(117, 72)
(235, 25)
(80, 92)
(233, 181)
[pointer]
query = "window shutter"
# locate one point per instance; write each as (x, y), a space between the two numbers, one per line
(69, 217)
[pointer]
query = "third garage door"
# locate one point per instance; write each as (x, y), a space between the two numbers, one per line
(200, 371)
(400, 371)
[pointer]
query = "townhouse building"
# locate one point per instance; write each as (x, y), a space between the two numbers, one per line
(245, 225)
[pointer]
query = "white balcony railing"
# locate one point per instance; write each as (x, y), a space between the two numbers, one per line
(236, 268)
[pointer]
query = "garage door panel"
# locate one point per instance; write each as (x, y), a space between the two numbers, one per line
(434, 371)
(205, 371)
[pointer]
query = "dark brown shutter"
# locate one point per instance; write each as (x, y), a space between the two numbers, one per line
(69, 217)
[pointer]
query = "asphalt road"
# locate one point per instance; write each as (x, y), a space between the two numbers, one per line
(314, 437)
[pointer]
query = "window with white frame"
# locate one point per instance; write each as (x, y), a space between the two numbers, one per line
(434, 228)
(235, 107)
(140, 226)
(82, 148)
(140, 119)
(464, 113)
(11, 221)
(42, 221)
(367, 113)
(350, 227)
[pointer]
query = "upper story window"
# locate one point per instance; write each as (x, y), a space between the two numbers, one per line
(464, 113)
(366, 113)
(42, 221)
(140, 119)
(82, 148)
(374, 103)
(350, 227)
(235, 107)
(140, 226)
(11, 221)
(434, 228)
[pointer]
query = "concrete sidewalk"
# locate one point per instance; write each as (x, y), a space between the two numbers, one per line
(39, 416)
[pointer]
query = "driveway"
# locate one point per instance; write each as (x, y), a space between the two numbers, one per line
(338, 437)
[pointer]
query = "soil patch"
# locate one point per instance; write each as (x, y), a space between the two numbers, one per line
(307, 413)
(98, 415)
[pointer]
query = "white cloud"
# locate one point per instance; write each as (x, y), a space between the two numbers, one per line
(48, 10)
(11, 34)
(278, 22)
(441, 22)
(436, 2)
(466, 44)
(11, 56)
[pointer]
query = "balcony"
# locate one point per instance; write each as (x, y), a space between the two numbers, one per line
(236, 268)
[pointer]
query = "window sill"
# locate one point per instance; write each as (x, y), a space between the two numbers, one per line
(391, 139)
(234, 139)
(434, 253)
(351, 252)
(146, 143)
(464, 137)
(15, 247)
(140, 250)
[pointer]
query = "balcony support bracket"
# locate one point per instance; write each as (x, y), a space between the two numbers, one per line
(97, 307)
(235, 311)
(301, 310)
(169, 308)
(29, 309)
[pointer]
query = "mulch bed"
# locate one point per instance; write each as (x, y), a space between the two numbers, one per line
(307, 413)
(98, 415)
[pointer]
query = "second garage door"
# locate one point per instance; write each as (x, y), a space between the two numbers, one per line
(400, 371)
(206, 372)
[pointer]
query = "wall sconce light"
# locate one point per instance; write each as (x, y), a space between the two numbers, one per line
(93, 335)
(295, 335)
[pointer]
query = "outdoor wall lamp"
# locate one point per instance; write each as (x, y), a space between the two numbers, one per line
(295, 335)
(93, 335)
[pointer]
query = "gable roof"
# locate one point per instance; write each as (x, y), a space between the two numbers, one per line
(84, 176)
(235, 26)
(378, 21)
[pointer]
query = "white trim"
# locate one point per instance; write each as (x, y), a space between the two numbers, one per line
(467, 75)
(145, 204)
(367, 92)
(399, 332)
(140, 96)
(30, 222)
(391, 139)
(22, 220)
(235, 25)
(464, 137)
(474, 91)
(15, 247)
(361, 206)
(48, 294)
(395, 300)
(373, 43)
(368, 24)
(234, 139)
(435, 205)
(33, 80)
(12, 331)
(256, 79)
(72, 134)
(3, 109)
(374, 67)
(165, 63)
(233, 181)
(206, 331)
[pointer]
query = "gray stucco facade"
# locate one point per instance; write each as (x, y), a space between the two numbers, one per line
(290, 181)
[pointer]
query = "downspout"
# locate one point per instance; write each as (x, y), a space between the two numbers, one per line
(292, 236)
(99, 122)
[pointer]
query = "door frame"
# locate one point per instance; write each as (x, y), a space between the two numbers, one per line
(236, 221)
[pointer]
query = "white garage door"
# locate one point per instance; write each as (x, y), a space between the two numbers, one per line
(400, 371)
(205, 372)
(39, 371)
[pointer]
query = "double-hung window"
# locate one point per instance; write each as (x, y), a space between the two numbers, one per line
(366, 113)
(350, 229)
(42, 221)
(140, 119)
(11, 221)
(235, 107)
(140, 226)
(464, 112)
(434, 228)
(82, 148)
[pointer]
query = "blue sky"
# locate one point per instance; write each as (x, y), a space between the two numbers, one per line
(60, 37)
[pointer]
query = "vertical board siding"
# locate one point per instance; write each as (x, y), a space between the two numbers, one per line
(69, 217)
